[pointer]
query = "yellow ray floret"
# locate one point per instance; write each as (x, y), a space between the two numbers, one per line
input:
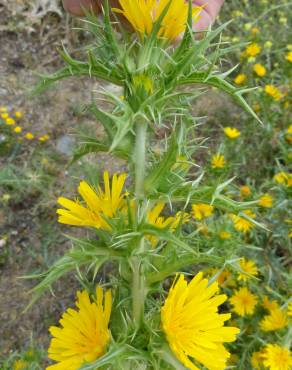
(100, 204)
(142, 14)
(194, 329)
(84, 332)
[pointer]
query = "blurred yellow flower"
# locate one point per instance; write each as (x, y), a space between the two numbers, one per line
(283, 178)
(277, 358)
(29, 136)
(289, 311)
(18, 114)
(20, 365)
(243, 302)
(4, 115)
(277, 319)
(252, 50)
(255, 30)
(10, 121)
(202, 210)
(240, 79)
(218, 161)
(3, 110)
(232, 132)
(257, 360)
(289, 56)
(44, 138)
(288, 134)
(260, 70)
(142, 14)
(99, 204)
(224, 235)
(242, 224)
(268, 304)
(193, 326)
(266, 201)
(274, 92)
(17, 129)
(248, 268)
(245, 191)
(84, 334)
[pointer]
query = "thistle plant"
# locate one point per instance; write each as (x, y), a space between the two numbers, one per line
(142, 221)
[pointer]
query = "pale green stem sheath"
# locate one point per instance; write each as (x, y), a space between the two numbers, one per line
(138, 278)
(166, 354)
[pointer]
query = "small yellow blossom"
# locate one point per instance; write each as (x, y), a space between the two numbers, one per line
(4, 115)
(240, 79)
(277, 358)
(266, 201)
(288, 134)
(289, 310)
(224, 235)
(218, 161)
(259, 70)
(245, 191)
(17, 129)
(190, 315)
(18, 114)
(269, 305)
(202, 210)
(232, 132)
(242, 224)
(10, 121)
(20, 365)
(29, 136)
(252, 50)
(257, 360)
(255, 30)
(283, 178)
(44, 138)
(248, 268)
(3, 110)
(277, 319)
(243, 302)
(289, 57)
(274, 92)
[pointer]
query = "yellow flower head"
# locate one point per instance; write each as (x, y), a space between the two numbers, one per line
(142, 14)
(253, 50)
(248, 268)
(100, 204)
(17, 129)
(277, 319)
(4, 115)
(193, 326)
(44, 138)
(277, 358)
(241, 223)
(257, 360)
(274, 92)
(232, 132)
(29, 136)
(3, 110)
(18, 114)
(259, 70)
(10, 121)
(224, 235)
(270, 305)
(289, 56)
(202, 210)
(20, 365)
(244, 191)
(289, 311)
(240, 79)
(84, 332)
(266, 201)
(218, 161)
(243, 302)
(281, 177)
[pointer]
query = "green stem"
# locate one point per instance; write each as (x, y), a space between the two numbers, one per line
(138, 277)
(166, 354)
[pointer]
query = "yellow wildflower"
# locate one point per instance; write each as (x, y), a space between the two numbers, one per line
(232, 132)
(248, 268)
(266, 201)
(20, 365)
(252, 50)
(277, 358)
(202, 210)
(259, 70)
(218, 161)
(277, 319)
(289, 311)
(274, 92)
(17, 129)
(244, 191)
(44, 138)
(4, 115)
(10, 121)
(255, 30)
(193, 327)
(100, 204)
(283, 178)
(3, 110)
(289, 56)
(18, 114)
(269, 305)
(142, 14)
(84, 334)
(243, 302)
(29, 136)
(257, 360)
(241, 223)
(288, 134)
(240, 79)
(224, 235)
